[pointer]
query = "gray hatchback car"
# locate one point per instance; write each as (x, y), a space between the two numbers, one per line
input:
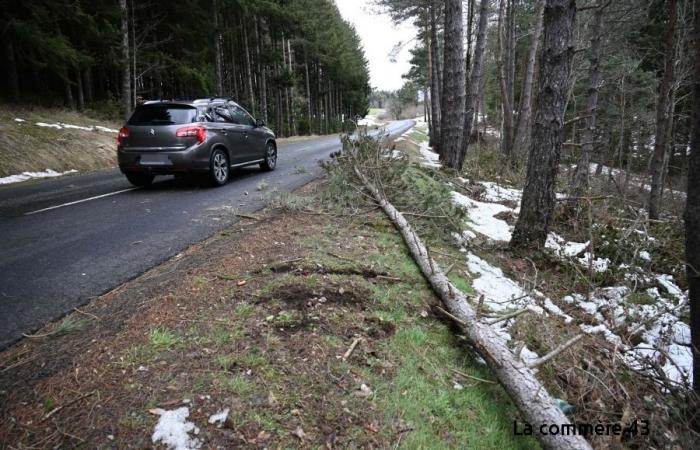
(207, 136)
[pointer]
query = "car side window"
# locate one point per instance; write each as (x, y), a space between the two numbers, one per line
(240, 116)
(222, 114)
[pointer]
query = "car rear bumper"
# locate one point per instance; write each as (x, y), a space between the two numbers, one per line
(194, 159)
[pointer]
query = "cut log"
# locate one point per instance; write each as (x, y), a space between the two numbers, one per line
(528, 394)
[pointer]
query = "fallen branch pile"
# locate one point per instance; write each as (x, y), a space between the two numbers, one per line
(531, 398)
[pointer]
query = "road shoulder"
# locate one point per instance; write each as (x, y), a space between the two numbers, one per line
(310, 329)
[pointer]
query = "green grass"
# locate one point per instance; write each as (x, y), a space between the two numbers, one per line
(418, 136)
(423, 395)
(237, 384)
(164, 339)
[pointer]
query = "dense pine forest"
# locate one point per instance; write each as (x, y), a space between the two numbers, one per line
(566, 84)
(294, 63)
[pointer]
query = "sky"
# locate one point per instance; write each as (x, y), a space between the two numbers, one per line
(379, 35)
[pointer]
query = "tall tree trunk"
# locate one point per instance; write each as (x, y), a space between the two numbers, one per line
(217, 50)
(504, 35)
(452, 119)
(234, 72)
(68, 89)
(521, 140)
(473, 90)
(87, 83)
(581, 176)
(555, 68)
(434, 76)
(662, 110)
(692, 212)
(248, 69)
(308, 89)
(262, 69)
(126, 67)
(11, 65)
(292, 116)
(79, 86)
(470, 27)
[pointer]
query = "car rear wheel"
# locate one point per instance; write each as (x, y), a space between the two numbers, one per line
(219, 168)
(140, 179)
(270, 157)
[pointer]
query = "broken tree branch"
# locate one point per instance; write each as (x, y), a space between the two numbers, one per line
(555, 352)
(535, 403)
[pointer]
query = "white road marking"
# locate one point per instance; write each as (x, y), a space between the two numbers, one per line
(80, 201)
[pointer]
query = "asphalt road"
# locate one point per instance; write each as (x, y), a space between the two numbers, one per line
(67, 240)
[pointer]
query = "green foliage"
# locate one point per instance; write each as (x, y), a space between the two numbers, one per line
(70, 50)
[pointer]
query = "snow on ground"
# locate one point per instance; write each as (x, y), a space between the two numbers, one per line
(219, 417)
(430, 158)
(481, 215)
(24, 176)
(174, 430)
(615, 312)
(665, 339)
(68, 126)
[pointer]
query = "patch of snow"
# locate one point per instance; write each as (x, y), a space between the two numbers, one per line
(219, 417)
(17, 119)
(496, 193)
(105, 129)
(24, 176)
(645, 255)
(430, 158)
(49, 125)
(562, 247)
(599, 265)
(664, 337)
(76, 127)
(174, 430)
(482, 217)
(499, 291)
(66, 126)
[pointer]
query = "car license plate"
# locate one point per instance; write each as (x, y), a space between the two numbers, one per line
(154, 160)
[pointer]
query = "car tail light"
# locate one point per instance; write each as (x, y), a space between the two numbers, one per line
(199, 132)
(123, 134)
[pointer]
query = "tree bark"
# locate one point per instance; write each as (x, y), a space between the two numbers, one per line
(79, 86)
(452, 119)
(126, 67)
(292, 116)
(581, 176)
(262, 69)
(248, 68)
(473, 90)
(504, 35)
(528, 394)
(11, 65)
(692, 212)
(308, 90)
(523, 132)
(217, 50)
(662, 110)
(555, 68)
(434, 77)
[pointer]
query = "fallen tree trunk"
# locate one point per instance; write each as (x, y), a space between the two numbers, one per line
(531, 398)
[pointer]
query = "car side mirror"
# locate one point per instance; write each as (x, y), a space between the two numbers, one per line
(259, 123)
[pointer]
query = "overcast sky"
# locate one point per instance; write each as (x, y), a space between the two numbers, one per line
(379, 35)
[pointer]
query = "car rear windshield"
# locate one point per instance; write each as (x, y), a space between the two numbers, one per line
(163, 115)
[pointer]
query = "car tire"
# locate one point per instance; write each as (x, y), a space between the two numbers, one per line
(270, 161)
(139, 179)
(219, 168)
